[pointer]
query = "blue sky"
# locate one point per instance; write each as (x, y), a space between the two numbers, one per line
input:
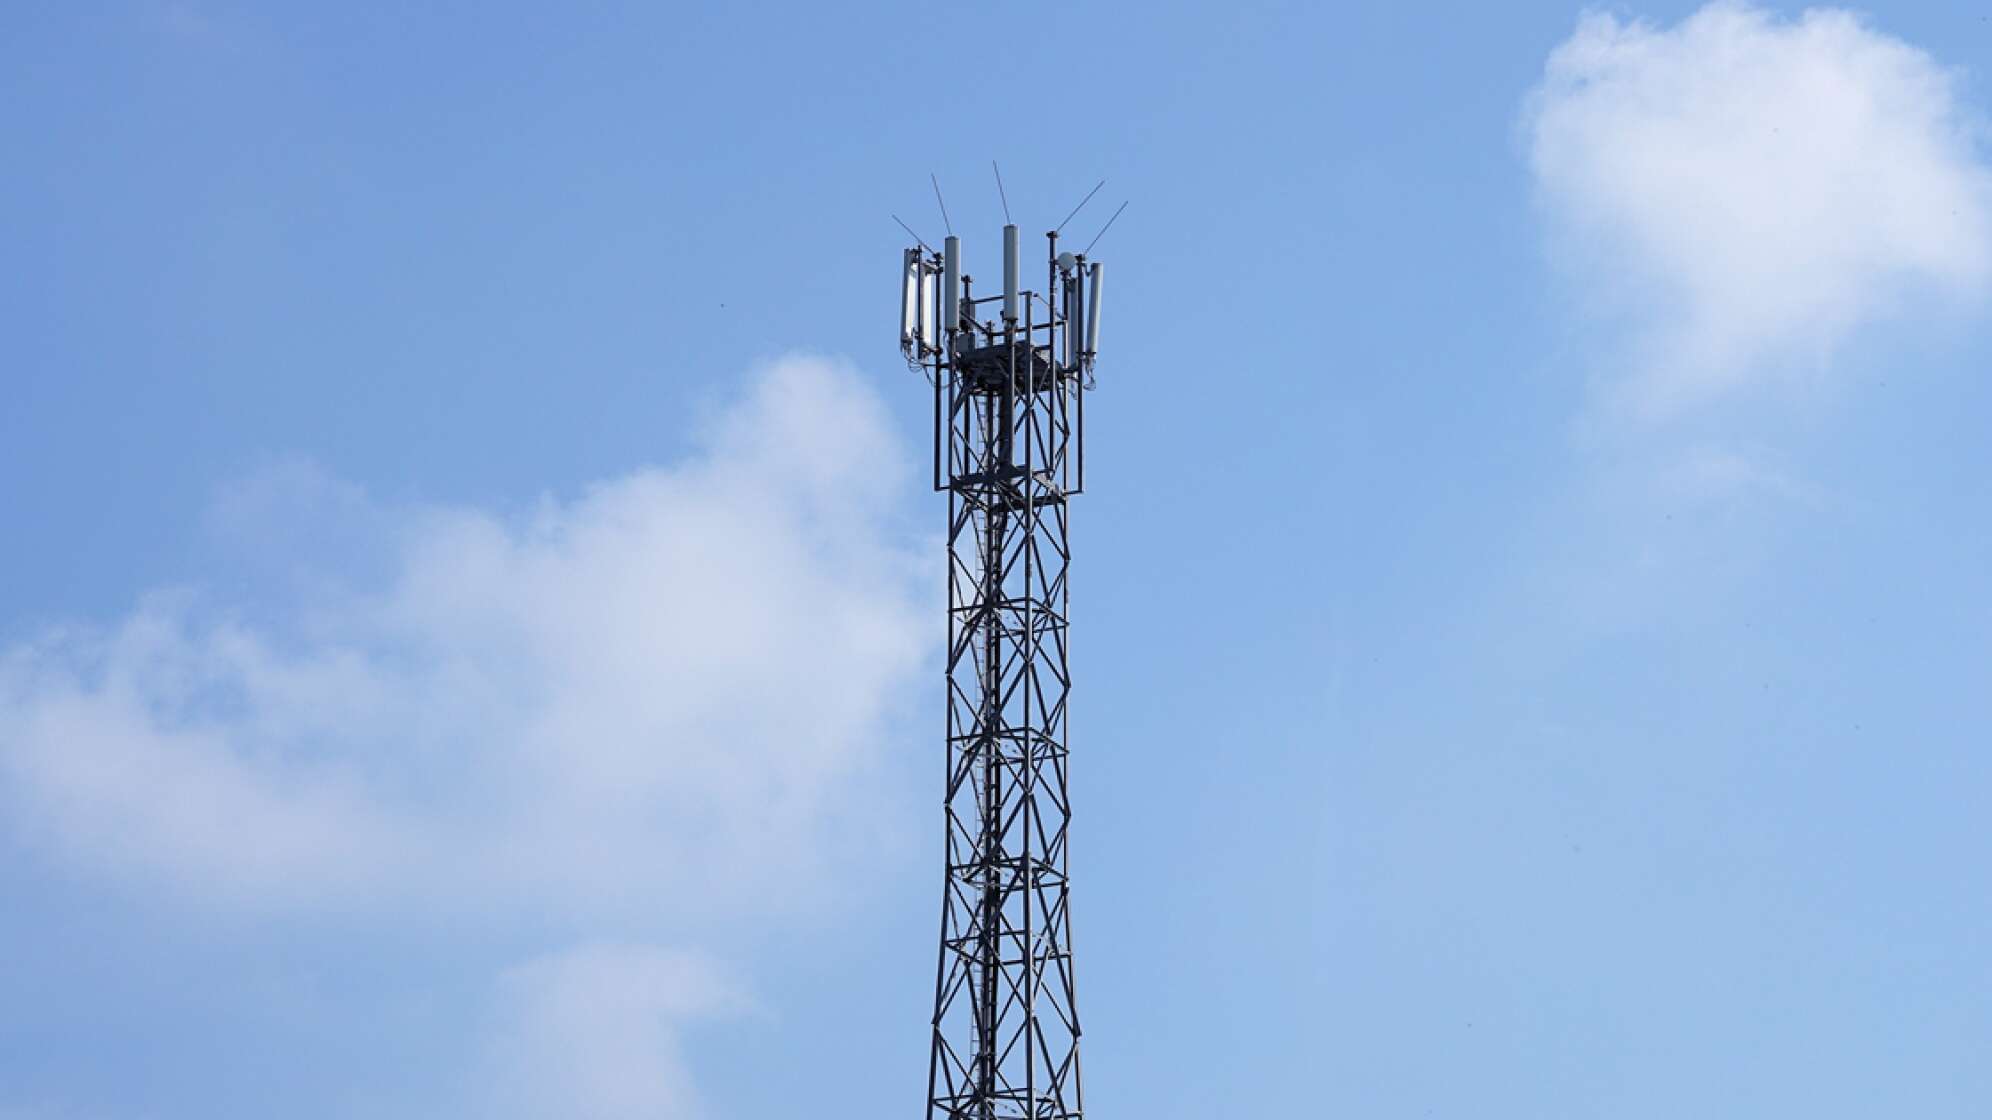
(467, 644)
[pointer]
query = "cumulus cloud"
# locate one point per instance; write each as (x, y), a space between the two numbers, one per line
(595, 700)
(655, 707)
(1751, 189)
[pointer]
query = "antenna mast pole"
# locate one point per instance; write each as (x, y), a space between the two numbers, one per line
(1008, 438)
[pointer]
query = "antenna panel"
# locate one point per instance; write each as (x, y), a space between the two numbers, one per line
(1010, 282)
(950, 287)
(910, 320)
(929, 337)
(1093, 314)
(1075, 323)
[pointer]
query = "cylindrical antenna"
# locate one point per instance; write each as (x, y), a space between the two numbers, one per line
(1093, 314)
(1009, 274)
(950, 287)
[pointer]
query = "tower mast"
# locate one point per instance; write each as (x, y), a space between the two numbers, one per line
(1009, 430)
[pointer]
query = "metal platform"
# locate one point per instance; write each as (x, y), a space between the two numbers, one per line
(984, 369)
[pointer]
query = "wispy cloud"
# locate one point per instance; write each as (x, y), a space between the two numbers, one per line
(594, 1032)
(1747, 190)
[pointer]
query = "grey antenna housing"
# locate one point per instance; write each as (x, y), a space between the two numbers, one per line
(1010, 374)
(1093, 314)
(1010, 277)
(950, 289)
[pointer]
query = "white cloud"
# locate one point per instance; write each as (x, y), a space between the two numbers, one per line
(594, 1033)
(1751, 189)
(659, 690)
(655, 709)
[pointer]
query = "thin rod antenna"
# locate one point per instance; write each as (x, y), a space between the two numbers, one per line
(999, 191)
(1082, 205)
(915, 236)
(942, 201)
(1104, 229)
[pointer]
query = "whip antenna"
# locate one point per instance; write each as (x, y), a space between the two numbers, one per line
(1105, 228)
(914, 236)
(999, 191)
(1082, 205)
(942, 201)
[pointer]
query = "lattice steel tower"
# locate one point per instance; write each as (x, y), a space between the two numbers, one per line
(1009, 432)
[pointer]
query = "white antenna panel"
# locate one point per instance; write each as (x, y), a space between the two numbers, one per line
(1093, 313)
(910, 273)
(928, 335)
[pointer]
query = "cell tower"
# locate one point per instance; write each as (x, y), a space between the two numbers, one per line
(1009, 450)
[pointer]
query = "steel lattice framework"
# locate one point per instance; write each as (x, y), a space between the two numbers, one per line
(1008, 451)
